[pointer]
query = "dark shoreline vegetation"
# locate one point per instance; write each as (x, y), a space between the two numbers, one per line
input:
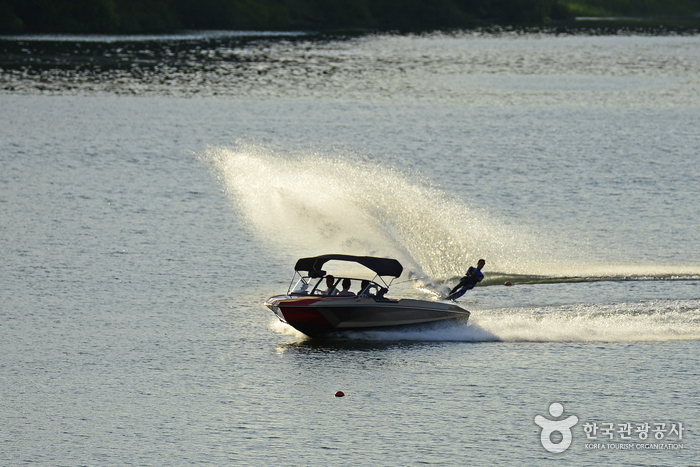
(162, 16)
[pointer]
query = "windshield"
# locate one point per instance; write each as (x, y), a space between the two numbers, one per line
(318, 286)
(305, 285)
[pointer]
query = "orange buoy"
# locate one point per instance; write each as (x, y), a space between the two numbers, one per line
(508, 283)
(339, 394)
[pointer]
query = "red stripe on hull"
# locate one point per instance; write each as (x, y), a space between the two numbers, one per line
(302, 315)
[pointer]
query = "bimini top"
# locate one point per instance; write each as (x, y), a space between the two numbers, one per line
(380, 266)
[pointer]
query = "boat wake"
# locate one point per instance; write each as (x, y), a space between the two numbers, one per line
(650, 321)
(603, 273)
(653, 321)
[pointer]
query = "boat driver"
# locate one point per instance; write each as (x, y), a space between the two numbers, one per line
(331, 290)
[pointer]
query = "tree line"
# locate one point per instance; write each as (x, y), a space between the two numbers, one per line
(155, 16)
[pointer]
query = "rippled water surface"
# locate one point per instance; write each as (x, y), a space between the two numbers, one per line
(154, 191)
(462, 68)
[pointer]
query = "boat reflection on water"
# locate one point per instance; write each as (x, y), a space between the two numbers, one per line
(314, 307)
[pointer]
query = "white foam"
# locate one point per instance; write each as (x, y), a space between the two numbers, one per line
(655, 321)
(283, 328)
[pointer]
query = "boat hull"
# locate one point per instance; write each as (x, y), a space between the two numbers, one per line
(315, 316)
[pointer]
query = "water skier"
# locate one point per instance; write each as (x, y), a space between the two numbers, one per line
(473, 277)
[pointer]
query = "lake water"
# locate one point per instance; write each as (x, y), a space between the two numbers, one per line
(155, 191)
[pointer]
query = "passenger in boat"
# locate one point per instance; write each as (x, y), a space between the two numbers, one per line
(346, 289)
(331, 290)
(473, 277)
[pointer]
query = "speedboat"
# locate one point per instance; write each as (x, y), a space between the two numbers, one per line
(314, 306)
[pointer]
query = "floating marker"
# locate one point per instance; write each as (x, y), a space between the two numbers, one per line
(339, 394)
(508, 283)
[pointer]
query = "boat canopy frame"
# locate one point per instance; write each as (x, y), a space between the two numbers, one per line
(382, 267)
